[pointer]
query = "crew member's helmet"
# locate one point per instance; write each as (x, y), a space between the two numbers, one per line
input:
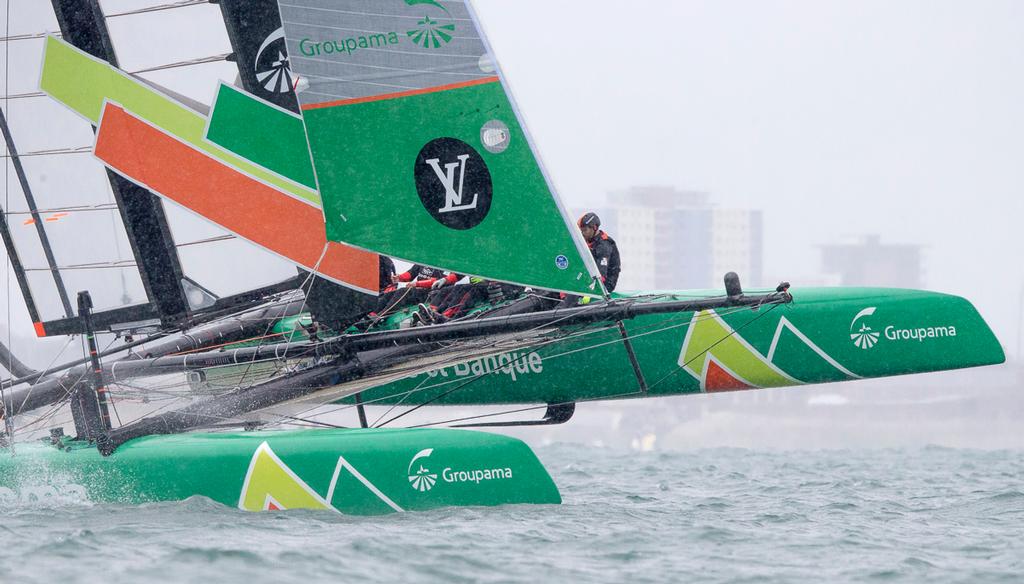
(589, 220)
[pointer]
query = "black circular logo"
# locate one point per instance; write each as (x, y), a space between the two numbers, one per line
(453, 183)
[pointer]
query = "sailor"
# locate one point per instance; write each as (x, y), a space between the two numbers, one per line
(603, 248)
(387, 275)
(427, 278)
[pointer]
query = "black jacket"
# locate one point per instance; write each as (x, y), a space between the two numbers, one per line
(606, 254)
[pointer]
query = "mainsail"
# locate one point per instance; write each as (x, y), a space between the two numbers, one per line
(418, 150)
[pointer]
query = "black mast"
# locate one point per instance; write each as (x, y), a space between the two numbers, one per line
(96, 370)
(83, 25)
(36, 218)
(88, 408)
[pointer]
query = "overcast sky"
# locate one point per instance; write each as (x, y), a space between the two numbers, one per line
(836, 118)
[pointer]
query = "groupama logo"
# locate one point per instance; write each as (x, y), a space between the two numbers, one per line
(422, 479)
(863, 337)
(431, 33)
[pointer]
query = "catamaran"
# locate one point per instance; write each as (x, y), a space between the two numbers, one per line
(402, 111)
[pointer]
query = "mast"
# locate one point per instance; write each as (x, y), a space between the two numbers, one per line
(87, 407)
(83, 25)
(44, 240)
(95, 369)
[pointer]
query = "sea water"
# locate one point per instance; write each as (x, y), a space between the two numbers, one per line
(915, 515)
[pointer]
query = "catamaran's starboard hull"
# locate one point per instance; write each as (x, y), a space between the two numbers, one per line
(824, 335)
(362, 472)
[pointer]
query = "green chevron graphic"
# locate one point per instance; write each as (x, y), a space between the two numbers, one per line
(710, 340)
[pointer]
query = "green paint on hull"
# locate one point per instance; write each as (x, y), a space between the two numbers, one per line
(379, 471)
(83, 83)
(791, 351)
(808, 341)
(709, 338)
(361, 161)
(262, 133)
(351, 471)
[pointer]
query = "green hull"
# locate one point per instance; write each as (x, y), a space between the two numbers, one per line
(361, 472)
(824, 335)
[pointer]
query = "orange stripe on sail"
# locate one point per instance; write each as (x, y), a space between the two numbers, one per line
(236, 202)
(385, 96)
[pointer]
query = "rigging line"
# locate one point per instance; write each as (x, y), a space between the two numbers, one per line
(566, 338)
(118, 265)
(159, 7)
(529, 408)
(26, 95)
(309, 422)
(46, 370)
(495, 414)
(207, 240)
(453, 390)
(30, 201)
(48, 415)
(648, 329)
(53, 152)
(601, 398)
(310, 280)
(449, 392)
(29, 36)
(736, 330)
(188, 63)
(493, 344)
(69, 209)
(8, 422)
(400, 402)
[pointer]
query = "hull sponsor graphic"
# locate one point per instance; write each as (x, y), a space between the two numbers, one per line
(721, 360)
(422, 479)
(866, 337)
(514, 364)
(270, 485)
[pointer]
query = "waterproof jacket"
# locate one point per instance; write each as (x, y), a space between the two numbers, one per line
(606, 254)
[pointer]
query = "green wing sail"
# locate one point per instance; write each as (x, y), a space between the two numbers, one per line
(417, 148)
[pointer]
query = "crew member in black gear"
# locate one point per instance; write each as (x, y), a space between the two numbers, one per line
(603, 248)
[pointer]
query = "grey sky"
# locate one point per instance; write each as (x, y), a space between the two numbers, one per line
(835, 118)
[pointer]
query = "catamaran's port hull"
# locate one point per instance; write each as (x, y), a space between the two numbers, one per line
(824, 335)
(362, 472)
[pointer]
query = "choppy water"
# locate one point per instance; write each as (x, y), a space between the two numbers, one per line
(924, 515)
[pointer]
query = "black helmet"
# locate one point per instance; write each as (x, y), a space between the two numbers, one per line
(590, 220)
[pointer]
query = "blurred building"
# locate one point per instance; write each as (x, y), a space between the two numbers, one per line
(673, 239)
(869, 262)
